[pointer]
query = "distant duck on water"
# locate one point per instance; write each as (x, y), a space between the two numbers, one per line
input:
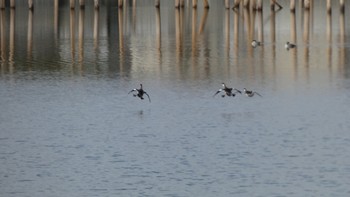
(256, 43)
(289, 45)
(250, 93)
(227, 91)
(140, 92)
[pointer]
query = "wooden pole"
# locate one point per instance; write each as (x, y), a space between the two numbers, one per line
(2, 4)
(246, 3)
(182, 3)
(236, 4)
(177, 3)
(227, 4)
(307, 4)
(13, 4)
(292, 5)
(82, 3)
(272, 4)
(120, 3)
(194, 3)
(97, 4)
(259, 6)
(329, 6)
(157, 3)
(342, 5)
(30, 4)
(72, 4)
(206, 4)
(253, 4)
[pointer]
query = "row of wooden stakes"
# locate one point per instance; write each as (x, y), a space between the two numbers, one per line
(254, 4)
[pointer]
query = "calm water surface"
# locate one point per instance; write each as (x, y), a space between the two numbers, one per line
(69, 128)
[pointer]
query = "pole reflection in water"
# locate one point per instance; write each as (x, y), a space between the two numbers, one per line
(72, 33)
(3, 34)
(55, 18)
(261, 26)
(12, 37)
(96, 28)
(236, 23)
(247, 24)
(342, 41)
(246, 17)
(329, 38)
(261, 39)
(293, 38)
(195, 52)
(273, 39)
(121, 39)
(12, 41)
(81, 34)
(306, 36)
(158, 34)
(30, 35)
(203, 21)
(178, 34)
(227, 31)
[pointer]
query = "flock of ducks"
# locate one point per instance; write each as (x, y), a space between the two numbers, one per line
(288, 45)
(230, 92)
(225, 90)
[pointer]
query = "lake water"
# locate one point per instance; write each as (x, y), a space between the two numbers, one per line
(68, 126)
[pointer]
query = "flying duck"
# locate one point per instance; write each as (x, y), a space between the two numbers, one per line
(289, 45)
(250, 93)
(228, 91)
(140, 92)
(256, 43)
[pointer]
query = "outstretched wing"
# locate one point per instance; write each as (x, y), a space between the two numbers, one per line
(133, 90)
(147, 96)
(258, 94)
(217, 92)
(237, 90)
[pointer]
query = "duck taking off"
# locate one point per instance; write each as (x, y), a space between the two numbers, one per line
(255, 43)
(289, 45)
(250, 93)
(228, 91)
(140, 92)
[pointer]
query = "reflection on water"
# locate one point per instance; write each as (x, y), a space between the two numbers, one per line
(69, 128)
(132, 30)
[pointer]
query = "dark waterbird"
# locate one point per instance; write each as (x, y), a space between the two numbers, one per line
(140, 92)
(256, 43)
(289, 45)
(227, 91)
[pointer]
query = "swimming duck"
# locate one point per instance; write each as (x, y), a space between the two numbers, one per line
(228, 91)
(140, 93)
(256, 43)
(289, 45)
(250, 93)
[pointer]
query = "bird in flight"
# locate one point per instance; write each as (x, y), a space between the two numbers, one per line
(140, 92)
(227, 91)
(250, 93)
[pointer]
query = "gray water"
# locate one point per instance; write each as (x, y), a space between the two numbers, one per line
(68, 126)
